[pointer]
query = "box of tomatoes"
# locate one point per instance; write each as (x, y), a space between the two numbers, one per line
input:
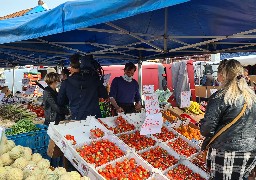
(120, 124)
(129, 166)
(186, 170)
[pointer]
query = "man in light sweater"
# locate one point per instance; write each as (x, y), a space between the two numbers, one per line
(124, 92)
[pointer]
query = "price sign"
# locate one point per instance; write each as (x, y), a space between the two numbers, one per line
(30, 90)
(148, 89)
(2, 82)
(185, 99)
(152, 124)
(25, 82)
(152, 104)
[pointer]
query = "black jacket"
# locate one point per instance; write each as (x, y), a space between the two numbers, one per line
(239, 137)
(82, 93)
(53, 112)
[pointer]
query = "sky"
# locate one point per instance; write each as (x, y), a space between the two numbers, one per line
(12, 6)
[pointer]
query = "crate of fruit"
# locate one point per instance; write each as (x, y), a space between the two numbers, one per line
(185, 148)
(36, 138)
(198, 160)
(160, 157)
(100, 151)
(126, 167)
(137, 142)
(186, 170)
(79, 129)
(119, 124)
(167, 134)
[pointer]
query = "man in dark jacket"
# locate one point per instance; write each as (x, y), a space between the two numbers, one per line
(82, 90)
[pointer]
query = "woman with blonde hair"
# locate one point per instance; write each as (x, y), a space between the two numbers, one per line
(231, 156)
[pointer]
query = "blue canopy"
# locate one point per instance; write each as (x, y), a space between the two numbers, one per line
(118, 31)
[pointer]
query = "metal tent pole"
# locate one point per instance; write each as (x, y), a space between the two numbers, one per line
(140, 75)
(13, 80)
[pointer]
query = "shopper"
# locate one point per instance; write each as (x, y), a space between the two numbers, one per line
(53, 112)
(232, 154)
(82, 90)
(247, 77)
(124, 91)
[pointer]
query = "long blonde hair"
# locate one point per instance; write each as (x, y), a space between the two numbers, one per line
(235, 84)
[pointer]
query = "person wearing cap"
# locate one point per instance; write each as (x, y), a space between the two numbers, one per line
(124, 92)
(82, 90)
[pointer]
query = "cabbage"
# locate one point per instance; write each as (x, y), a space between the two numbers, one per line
(14, 174)
(20, 163)
(6, 159)
(43, 164)
(36, 157)
(16, 152)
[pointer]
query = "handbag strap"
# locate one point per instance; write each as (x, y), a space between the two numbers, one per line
(227, 126)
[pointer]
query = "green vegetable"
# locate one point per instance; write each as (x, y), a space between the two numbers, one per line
(22, 126)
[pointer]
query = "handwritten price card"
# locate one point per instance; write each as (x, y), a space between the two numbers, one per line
(152, 124)
(148, 89)
(30, 90)
(25, 82)
(152, 104)
(185, 99)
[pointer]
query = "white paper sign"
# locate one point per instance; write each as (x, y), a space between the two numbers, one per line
(152, 124)
(30, 90)
(148, 89)
(2, 82)
(212, 91)
(185, 99)
(25, 82)
(106, 78)
(152, 104)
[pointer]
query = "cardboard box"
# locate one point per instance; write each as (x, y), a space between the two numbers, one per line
(200, 91)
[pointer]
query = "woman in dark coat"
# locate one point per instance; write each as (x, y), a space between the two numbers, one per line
(53, 112)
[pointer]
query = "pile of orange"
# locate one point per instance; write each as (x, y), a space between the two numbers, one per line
(189, 132)
(171, 118)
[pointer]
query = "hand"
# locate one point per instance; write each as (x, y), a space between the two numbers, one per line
(119, 110)
(137, 106)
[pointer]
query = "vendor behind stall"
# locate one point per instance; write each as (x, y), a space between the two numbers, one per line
(124, 91)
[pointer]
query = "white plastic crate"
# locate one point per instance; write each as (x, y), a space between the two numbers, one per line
(128, 156)
(190, 144)
(169, 151)
(169, 129)
(79, 129)
(158, 176)
(191, 166)
(132, 132)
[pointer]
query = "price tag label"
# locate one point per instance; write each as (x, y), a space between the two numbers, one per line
(2, 82)
(25, 81)
(30, 90)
